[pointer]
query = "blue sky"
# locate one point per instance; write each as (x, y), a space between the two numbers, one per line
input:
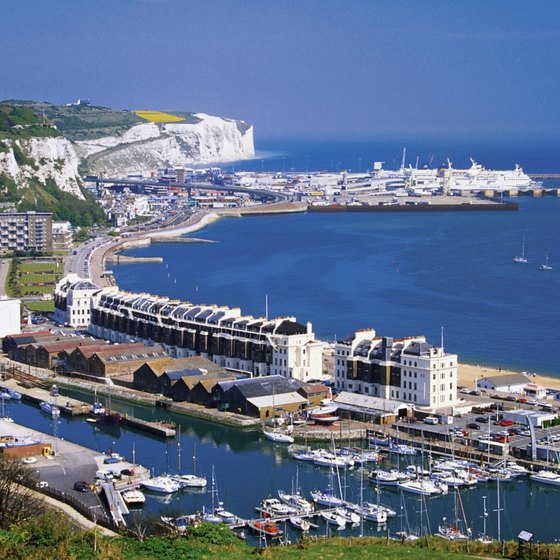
(333, 69)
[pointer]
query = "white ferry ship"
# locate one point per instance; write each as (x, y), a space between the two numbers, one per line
(478, 178)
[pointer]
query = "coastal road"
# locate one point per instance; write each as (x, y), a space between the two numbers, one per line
(4, 269)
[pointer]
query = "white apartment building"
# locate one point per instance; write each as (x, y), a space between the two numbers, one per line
(72, 297)
(410, 370)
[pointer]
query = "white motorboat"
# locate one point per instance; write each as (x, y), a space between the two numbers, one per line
(296, 500)
(226, 516)
(190, 481)
(162, 484)
(390, 512)
(278, 436)
(546, 477)
(49, 408)
(133, 497)
(273, 506)
(401, 449)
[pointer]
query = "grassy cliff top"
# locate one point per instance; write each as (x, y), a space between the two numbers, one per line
(79, 121)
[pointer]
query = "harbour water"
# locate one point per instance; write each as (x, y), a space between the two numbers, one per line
(402, 274)
(249, 468)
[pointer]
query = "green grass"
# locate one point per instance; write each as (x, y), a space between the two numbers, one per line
(28, 277)
(52, 267)
(40, 306)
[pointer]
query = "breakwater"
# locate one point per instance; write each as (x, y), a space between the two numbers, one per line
(461, 207)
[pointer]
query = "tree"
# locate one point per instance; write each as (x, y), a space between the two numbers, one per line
(18, 501)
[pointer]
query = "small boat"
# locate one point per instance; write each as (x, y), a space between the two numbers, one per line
(300, 523)
(452, 533)
(265, 527)
(401, 449)
(521, 259)
(133, 497)
(296, 500)
(181, 523)
(278, 436)
(190, 481)
(388, 478)
(389, 511)
(326, 499)
(225, 516)
(333, 518)
(348, 515)
(49, 408)
(303, 455)
(8, 393)
(546, 477)
(326, 459)
(375, 514)
(162, 484)
(273, 506)
(545, 266)
(379, 439)
(423, 487)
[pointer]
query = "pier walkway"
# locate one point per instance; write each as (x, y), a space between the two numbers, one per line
(115, 502)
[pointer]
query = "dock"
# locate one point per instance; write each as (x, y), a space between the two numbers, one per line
(162, 429)
(115, 502)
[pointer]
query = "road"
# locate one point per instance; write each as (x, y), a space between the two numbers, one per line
(4, 269)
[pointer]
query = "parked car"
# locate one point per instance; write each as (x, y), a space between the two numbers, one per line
(531, 401)
(474, 392)
(522, 400)
(511, 398)
(482, 419)
(514, 431)
(504, 422)
(473, 426)
(81, 486)
(502, 439)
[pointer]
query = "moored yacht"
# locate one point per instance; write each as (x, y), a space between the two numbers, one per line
(162, 484)
(546, 477)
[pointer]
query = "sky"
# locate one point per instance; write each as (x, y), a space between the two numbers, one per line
(342, 69)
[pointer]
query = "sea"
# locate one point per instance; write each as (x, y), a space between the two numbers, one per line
(448, 276)
(402, 274)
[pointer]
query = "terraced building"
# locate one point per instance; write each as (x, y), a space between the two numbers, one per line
(256, 346)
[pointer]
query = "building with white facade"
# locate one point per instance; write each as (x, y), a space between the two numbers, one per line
(410, 370)
(508, 383)
(10, 316)
(73, 297)
(256, 346)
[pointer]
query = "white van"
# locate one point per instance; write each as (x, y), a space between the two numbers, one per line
(104, 475)
(431, 420)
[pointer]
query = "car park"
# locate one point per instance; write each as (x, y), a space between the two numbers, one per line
(81, 486)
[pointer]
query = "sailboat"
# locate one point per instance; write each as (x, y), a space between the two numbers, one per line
(545, 266)
(452, 531)
(484, 538)
(521, 259)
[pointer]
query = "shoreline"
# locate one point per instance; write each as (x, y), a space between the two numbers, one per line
(469, 373)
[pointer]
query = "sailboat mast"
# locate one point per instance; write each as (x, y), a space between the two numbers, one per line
(179, 451)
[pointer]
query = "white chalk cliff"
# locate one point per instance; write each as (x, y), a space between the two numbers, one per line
(145, 147)
(44, 158)
(142, 148)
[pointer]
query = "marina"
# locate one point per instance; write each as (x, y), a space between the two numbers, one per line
(228, 451)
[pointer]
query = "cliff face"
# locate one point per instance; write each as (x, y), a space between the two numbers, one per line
(55, 158)
(147, 146)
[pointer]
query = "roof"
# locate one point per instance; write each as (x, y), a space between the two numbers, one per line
(507, 379)
(418, 348)
(180, 373)
(269, 401)
(262, 386)
(357, 401)
(290, 327)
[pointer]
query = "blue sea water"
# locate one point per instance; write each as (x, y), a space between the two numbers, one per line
(402, 274)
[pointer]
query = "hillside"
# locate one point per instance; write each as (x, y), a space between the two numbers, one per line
(46, 148)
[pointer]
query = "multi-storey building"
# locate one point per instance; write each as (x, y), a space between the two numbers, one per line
(410, 370)
(257, 346)
(21, 231)
(72, 300)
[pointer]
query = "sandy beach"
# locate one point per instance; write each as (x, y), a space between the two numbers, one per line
(469, 373)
